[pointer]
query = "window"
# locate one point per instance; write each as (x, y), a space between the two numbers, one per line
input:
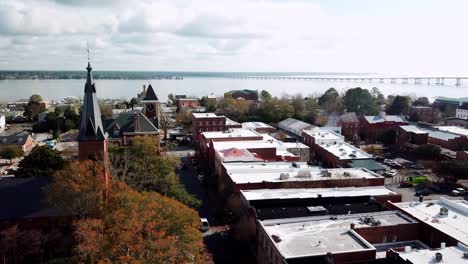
(116, 132)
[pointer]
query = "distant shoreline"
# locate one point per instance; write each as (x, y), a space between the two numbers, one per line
(148, 75)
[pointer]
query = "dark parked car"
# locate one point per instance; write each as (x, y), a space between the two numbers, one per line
(423, 192)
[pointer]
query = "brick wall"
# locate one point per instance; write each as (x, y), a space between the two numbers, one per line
(87, 148)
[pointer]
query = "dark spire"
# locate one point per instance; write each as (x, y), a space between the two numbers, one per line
(150, 94)
(90, 120)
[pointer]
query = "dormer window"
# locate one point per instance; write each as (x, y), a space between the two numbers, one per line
(116, 132)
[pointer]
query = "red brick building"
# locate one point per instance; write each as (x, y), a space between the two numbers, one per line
(424, 113)
(372, 127)
(456, 122)
(184, 103)
(349, 123)
(447, 140)
(331, 149)
(441, 220)
(202, 122)
(408, 136)
(462, 155)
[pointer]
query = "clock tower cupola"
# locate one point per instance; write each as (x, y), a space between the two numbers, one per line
(151, 106)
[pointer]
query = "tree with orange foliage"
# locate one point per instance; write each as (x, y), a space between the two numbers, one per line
(131, 227)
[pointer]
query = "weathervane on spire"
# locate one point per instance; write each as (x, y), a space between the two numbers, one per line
(87, 49)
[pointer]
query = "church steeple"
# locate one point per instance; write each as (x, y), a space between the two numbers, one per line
(91, 128)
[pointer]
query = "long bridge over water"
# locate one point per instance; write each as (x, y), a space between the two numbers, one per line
(395, 80)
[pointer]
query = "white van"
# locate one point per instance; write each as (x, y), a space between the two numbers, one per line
(205, 225)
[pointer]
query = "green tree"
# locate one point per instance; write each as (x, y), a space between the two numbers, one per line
(124, 225)
(139, 166)
(133, 102)
(330, 101)
(298, 105)
(41, 162)
(378, 96)
(399, 106)
(11, 153)
(35, 98)
(454, 169)
(311, 113)
(360, 101)
(428, 151)
(71, 115)
(265, 95)
(422, 101)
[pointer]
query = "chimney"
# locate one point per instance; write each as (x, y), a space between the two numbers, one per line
(144, 89)
(421, 198)
(438, 257)
(442, 245)
(136, 122)
(352, 226)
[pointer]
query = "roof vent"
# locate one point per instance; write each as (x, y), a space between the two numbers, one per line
(276, 238)
(443, 211)
(304, 173)
(284, 176)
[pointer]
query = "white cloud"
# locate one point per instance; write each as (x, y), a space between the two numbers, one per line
(224, 35)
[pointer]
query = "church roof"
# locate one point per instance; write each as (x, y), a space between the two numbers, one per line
(124, 123)
(90, 120)
(150, 94)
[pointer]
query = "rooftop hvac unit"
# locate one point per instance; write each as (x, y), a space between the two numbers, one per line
(284, 176)
(443, 211)
(326, 173)
(304, 173)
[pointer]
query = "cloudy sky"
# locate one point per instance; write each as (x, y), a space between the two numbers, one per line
(386, 36)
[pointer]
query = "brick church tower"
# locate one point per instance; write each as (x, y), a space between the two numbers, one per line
(151, 105)
(92, 138)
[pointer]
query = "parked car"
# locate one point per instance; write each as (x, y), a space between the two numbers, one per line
(417, 166)
(423, 192)
(459, 192)
(201, 177)
(205, 226)
(390, 173)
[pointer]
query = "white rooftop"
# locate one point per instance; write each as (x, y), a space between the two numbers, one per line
(439, 134)
(284, 172)
(413, 129)
(380, 119)
(454, 129)
(266, 142)
(321, 135)
(314, 236)
(336, 145)
(255, 125)
(454, 225)
(345, 151)
(230, 122)
(305, 193)
(232, 132)
(205, 115)
(294, 126)
(451, 255)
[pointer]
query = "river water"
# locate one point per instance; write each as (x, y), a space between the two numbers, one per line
(201, 86)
